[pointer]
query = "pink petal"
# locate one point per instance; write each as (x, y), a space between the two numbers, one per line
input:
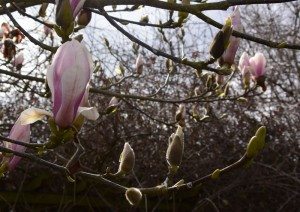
(20, 133)
(76, 6)
(68, 77)
(244, 61)
(258, 64)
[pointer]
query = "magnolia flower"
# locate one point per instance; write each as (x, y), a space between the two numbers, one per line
(20, 133)
(255, 67)
(229, 54)
(258, 65)
(68, 78)
(245, 67)
(67, 10)
(139, 64)
(18, 61)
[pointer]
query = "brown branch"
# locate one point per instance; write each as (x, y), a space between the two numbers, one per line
(32, 39)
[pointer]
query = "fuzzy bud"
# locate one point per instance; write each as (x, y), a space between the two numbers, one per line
(133, 196)
(139, 64)
(261, 136)
(175, 149)
(127, 159)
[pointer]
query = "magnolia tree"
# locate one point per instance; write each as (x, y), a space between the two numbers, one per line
(69, 82)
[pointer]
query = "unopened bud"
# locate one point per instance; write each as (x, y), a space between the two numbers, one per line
(127, 159)
(169, 65)
(84, 17)
(175, 149)
(261, 136)
(133, 196)
(221, 40)
(64, 14)
(253, 147)
(180, 114)
(139, 64)
(216, 174)
(112, 106)
(144, 19)
(120, 70)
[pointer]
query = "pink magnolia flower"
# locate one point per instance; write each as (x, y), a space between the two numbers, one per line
(255, 67)
(229, 54)
(68, 78)
(20, 133)
(244, 63)
(258, 65)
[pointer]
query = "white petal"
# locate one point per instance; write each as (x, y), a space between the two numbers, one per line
(32, 115)
(90, 113)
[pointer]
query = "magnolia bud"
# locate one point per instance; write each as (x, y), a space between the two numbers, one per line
(221, 40)
(112, 106)
(139, 64)
(144, 19)
(175, 149)
(174, 152)
(127, 159)
(253, 147)
(216, 174)
(169, 65)
(261, 136)
(64, 14)
(133, 196)
(180, 115)
(84, 17)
